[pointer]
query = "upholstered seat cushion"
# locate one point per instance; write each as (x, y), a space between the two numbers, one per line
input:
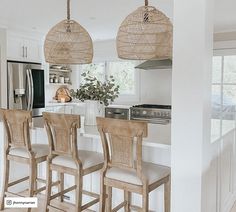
(40, 150)
(88, 159)
(153, 173)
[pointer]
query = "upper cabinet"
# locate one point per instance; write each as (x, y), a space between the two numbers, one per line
(24, 49)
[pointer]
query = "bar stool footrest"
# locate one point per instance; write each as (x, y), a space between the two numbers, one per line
(91, 194)
(63, 192)
(118, 207)
(18, 181)
(8, 193)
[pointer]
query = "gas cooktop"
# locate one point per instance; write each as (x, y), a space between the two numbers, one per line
(153, 106)
(157, 114)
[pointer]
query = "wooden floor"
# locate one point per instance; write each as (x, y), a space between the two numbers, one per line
(63, 207)
(234, 208)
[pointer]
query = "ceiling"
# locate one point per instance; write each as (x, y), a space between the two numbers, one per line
(225, 16)
(101, 18)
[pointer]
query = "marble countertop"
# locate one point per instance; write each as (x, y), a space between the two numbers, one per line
(55, 103)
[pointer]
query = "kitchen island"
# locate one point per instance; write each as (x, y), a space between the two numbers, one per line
(156, 149)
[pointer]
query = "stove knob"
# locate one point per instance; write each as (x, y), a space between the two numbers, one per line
(144, 112)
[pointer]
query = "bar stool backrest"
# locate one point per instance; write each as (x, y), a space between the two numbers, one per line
(16, 123)
(62, 133)
(122, 143)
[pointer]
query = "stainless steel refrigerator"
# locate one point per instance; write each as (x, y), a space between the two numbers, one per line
(26, 87)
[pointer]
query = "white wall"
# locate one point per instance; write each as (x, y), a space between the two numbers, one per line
(104, 50)
(3, 93)
(191, 149)
(3, 70)
(155, 85)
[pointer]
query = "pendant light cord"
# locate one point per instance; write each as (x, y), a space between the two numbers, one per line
(146, 15)
(68, 9)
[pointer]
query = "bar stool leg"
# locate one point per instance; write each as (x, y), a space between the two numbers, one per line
(36, 176)
(78, 191)
(127, 198)
(109, 199)
(5, 181)
(167, 195)
(61, 185)
(102, 194)
(32, 179)
(145, 199)
(48, 188)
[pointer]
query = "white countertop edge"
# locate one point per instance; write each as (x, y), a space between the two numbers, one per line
(157, 145)
(145, 143)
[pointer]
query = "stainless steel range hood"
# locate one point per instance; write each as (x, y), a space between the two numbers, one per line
(156, 64)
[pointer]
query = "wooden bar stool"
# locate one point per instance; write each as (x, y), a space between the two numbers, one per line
(65, 158)
(18, 148)
(123, 165)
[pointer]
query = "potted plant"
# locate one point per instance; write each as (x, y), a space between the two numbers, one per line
(95, 94)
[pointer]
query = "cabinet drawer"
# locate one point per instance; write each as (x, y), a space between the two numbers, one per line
(117, 113)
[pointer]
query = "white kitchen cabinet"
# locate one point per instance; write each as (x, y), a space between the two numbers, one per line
(67, 109)
(24, 49)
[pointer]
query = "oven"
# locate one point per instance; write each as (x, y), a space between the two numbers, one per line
(118, 112)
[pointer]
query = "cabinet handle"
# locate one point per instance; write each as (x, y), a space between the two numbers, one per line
(23, 48)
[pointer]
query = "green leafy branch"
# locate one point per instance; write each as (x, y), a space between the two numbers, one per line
(93, 89)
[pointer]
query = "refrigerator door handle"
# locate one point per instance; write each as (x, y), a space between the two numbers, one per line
(32, 89)
(29, 89)
(23, 48)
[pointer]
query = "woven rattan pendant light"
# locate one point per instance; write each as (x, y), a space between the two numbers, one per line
(145, 34)
(68, 43)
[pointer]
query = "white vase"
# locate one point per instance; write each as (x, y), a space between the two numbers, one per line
(92, 110)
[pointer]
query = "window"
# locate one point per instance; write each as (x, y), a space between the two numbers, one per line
(223, 94)
(124, 73)
(94, 69)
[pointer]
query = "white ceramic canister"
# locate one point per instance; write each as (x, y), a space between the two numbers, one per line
(61, 79)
